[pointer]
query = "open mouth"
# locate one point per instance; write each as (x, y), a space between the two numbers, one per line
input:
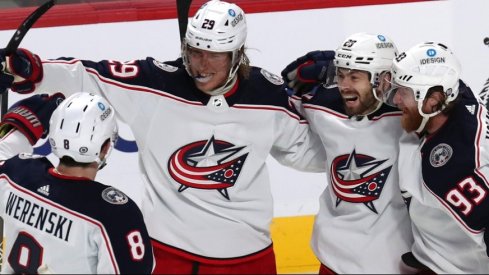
(203, 78)
(350, 99)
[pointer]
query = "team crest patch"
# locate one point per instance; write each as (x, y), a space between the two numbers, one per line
(165, 67)
(114, 196)
(275, 79)
(440, 155)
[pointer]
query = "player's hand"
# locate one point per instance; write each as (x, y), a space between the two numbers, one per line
(308, 71)
(6, 79)
(25, 67)
(31, 115)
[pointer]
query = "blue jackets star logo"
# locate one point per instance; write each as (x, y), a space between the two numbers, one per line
(356, 178)
(207, 164)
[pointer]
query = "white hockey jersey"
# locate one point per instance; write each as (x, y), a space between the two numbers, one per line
(207, 191)
(362, 226)
(64, 224)
(445, 180)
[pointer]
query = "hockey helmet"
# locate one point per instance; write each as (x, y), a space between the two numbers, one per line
(80, 126)
(422, 67)
(217, 26)
(373, 53)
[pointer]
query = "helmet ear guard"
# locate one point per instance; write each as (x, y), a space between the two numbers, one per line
(80, 126)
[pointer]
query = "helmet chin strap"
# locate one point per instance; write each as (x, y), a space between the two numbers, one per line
(375, 94)
(379, 103)
(222, 89)
(231, 80)
(101, 163)
(426, 117)
(422, 125)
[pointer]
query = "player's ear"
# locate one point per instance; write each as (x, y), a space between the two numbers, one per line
(105, 148)
(434, 101)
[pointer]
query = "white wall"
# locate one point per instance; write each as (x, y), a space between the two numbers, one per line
(274, 40)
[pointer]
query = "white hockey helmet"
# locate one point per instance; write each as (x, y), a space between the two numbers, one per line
(373, 53)
(424, 66)
(217, 26)
(80, 126)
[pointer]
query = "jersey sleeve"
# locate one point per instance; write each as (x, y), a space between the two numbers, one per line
(128, 242)
(297, 146)
(13, 143)
(126, 85)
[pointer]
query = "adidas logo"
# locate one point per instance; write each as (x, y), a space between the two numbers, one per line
(44, 190)
(470, 108)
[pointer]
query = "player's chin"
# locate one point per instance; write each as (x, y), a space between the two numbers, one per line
(204, 87)
(410, 122)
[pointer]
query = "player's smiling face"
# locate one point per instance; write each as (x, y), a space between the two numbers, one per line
(209, 69)
(404, 100)
(356, 90)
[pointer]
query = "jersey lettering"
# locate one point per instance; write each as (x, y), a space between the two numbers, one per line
(26, 254)
(208, 24)
(400, 57)
(123, 69)
(457, 198)
(136, 245)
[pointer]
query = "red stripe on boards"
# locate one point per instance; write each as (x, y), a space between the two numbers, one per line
(136, 10)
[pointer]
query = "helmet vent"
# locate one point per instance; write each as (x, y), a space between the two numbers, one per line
(84, 109)
(406, 77)
(443, 46)
(227, 23)
(78, 127)
(62, 121)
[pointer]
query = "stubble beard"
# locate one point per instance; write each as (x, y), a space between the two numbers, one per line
(365, 106)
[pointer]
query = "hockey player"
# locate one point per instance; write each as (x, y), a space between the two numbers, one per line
(362, 226)
(443, 161)
(204, 132)
(58, 219)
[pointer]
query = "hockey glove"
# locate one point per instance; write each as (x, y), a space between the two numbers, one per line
(26, 68)
(307, 71)
(31, 115)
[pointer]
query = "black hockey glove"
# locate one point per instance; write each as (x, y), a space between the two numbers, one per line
(31, 115)
(307, 71)
(26, 68)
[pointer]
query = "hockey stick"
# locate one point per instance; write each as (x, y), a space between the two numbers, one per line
(14, 42)
(183, 7)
